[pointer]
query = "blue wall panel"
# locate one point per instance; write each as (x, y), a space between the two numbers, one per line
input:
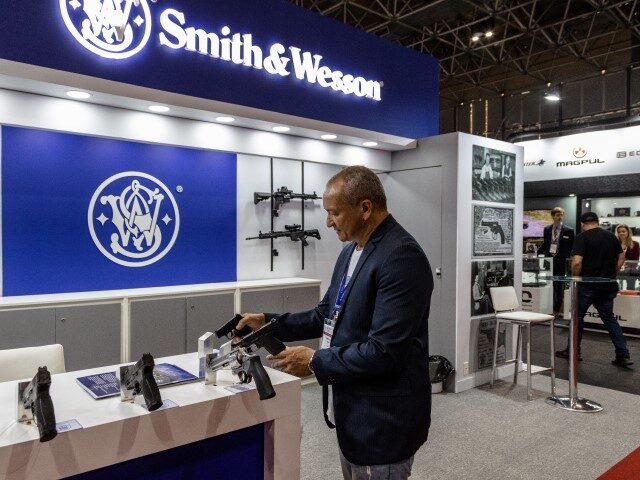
(234, 456)
(48, 182)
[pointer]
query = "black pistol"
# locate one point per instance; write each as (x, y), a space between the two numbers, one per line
(138, 378)
(229, 329)
(36, 398)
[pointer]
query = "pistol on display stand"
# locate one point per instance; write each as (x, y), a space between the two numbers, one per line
(138, 378)
(34, 404)
(238, 355)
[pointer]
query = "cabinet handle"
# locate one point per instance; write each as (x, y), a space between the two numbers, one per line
(192, 307)
(63, 319)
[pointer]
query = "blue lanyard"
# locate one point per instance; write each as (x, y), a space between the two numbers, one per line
(340, 298)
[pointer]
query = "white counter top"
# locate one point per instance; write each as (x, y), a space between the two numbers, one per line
(115, 431)
(106, 295)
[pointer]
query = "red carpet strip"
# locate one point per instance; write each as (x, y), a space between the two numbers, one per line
(626, 469)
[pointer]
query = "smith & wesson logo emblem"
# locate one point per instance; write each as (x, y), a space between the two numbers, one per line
(133, 219)
(113, 29)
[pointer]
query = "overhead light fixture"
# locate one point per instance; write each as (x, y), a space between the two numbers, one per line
(488, 33)
(548, 84)
(370, 144)
(552, 97)
(475, 38)
(159, 108)
(573, 195)
(281, 129)
(225, 119)
(603, 71)
(526, 92)
(328, 136)
(78, 95)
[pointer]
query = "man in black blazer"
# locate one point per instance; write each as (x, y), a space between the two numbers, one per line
(373, 364)
(558, 242)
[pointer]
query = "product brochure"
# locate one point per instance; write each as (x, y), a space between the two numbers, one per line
(103, 385)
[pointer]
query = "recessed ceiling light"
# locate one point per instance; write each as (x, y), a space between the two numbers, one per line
(78, 95)
(573, 195)
(526, 92)
(281, 129)
(328, 136)
(488, 33)
(370, 144)
(475, 38)
(552, 97)
(225, 119)
(159, 108)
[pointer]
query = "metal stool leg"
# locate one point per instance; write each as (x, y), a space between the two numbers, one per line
(553, 357)
(495, 352)
(529, 361)
(518, 348)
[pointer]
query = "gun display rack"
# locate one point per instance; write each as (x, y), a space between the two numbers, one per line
(278, 198)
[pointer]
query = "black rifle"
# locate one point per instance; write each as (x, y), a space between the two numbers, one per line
(294, 232)
(496, 229)
(281, 196)
(139, 378)
(36, 398)
(238, 354)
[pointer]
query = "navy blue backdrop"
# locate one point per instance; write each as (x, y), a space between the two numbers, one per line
(48, 181)
(34, 32)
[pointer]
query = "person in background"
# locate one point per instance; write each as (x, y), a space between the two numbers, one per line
(558, 242)
(631, 249)
(597, 253)
(373, 363)
(487, 170)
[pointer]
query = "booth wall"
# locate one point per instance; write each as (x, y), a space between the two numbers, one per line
(468, 373)
(321, 161)
(436, 157)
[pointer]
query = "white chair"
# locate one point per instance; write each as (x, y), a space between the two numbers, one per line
(23, 363)
(507, 307)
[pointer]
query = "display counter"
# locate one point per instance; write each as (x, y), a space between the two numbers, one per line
(114, 432)
(537, 293)
(626, 306)
(108, 327)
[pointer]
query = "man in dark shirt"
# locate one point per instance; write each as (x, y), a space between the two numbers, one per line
(558, 242)
(597, 253)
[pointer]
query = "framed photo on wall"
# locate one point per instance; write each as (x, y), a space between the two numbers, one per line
(486, 333)
(492, 231)
(494, 175)
(484, 275)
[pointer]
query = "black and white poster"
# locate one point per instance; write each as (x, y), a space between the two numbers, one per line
(484, 275)
(492, 231)
(486, 339)
(494, 175)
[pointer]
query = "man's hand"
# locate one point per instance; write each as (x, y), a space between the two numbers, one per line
(253, 320)
(293, 360)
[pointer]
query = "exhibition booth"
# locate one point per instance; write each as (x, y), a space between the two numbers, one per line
(162, 167)
(584, 172)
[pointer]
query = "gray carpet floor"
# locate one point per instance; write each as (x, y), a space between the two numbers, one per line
(495, 433)
(597, 352)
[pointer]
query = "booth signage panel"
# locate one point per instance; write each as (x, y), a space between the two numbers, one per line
(83, 213)
(265, 54)
(592, 154)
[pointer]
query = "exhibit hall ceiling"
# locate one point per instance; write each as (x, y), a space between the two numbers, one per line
(501, 47)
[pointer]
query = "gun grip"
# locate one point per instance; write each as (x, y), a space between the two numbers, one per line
(151, 392)
(272, 345)
(260, 376)
(45, 417)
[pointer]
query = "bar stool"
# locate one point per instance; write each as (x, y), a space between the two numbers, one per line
(507, 307)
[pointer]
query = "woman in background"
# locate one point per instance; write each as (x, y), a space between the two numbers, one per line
(629, 272)
(630, 247)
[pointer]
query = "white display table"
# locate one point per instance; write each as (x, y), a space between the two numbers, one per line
(115, 432)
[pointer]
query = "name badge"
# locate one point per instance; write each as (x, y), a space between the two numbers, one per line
(553, 249)
(327, 333)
